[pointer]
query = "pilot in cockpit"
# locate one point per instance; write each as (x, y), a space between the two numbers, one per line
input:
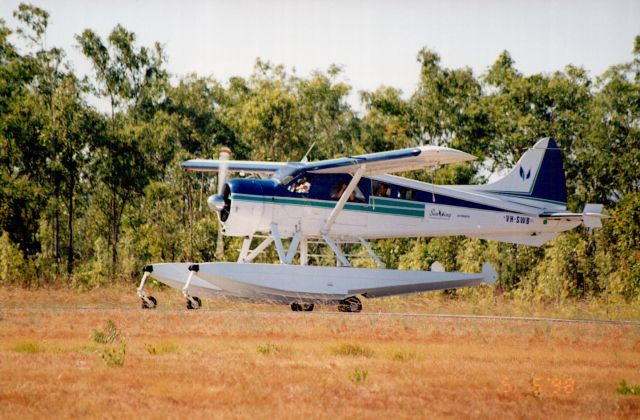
(301, 186)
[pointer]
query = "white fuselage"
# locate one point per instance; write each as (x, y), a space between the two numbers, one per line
(449, 210)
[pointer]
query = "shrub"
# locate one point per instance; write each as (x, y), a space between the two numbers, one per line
(625, 389)
(109, 335)
(12, 261)
(111, 355)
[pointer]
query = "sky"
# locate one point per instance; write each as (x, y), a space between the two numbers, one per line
(376, 42)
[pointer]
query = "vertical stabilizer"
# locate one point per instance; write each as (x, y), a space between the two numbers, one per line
(538, 175)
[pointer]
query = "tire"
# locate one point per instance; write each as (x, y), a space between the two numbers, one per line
(296, 307)
(153, 304)
(308, 307)
(191, 306)
(350, 304)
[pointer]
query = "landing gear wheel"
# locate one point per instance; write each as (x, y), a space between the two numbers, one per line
(350, 304)
(147, 305)
(198, 304)
(306, 307)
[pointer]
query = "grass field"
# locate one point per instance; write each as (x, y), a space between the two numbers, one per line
(67, 354)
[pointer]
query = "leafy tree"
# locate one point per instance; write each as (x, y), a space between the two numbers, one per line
(128, 77)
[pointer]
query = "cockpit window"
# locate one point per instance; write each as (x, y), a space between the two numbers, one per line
(380, 189)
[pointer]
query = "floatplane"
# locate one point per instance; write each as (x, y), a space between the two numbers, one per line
(354, 200)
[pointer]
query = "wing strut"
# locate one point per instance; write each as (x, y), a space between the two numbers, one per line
(343, 200)
(253, 254)
(373, 255)
(336, 250)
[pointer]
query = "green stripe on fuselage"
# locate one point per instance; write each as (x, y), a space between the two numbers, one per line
(396, 203)
(391, 208)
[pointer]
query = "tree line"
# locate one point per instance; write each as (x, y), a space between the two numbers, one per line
(89, 195)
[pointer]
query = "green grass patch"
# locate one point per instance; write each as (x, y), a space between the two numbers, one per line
(28, 347)
(351, 350)
(113, 356)
(268, 349)
(166, 347)
(626, 389)
(359, 376)
(403, 356)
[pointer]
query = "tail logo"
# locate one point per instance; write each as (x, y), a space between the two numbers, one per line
(524, 176)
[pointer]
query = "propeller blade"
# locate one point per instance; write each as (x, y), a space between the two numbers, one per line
(222, 172)
(222, 178)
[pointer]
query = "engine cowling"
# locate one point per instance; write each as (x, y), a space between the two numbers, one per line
(240, 206)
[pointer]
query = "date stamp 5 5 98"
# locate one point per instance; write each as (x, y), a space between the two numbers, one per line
(538, 386)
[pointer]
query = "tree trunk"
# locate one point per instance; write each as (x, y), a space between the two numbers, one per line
(114, 235)
(56, 220)
(70, 229)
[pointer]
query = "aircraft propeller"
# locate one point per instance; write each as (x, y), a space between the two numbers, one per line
(222, 178)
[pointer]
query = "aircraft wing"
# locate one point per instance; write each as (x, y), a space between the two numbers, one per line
(393, 161)
(212, 165)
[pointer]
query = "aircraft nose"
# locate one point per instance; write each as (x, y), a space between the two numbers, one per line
(216, 202)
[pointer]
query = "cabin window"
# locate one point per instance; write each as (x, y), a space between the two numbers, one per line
(301, 186)
(338, 190)
(405, 193)
(381, 189)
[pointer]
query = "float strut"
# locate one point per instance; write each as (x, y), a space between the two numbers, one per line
(194, 268)
(141, 294)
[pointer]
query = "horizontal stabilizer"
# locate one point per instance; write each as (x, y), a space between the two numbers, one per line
(591, 216)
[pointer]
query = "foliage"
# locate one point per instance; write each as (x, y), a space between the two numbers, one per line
(88, 197)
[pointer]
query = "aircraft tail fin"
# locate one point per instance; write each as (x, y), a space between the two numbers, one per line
(538, 175)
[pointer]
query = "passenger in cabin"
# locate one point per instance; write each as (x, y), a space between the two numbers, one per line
(339, 191)
(405, 193)
(355, 196)
(381, 189)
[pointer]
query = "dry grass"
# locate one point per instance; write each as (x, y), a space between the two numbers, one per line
(259, 361)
